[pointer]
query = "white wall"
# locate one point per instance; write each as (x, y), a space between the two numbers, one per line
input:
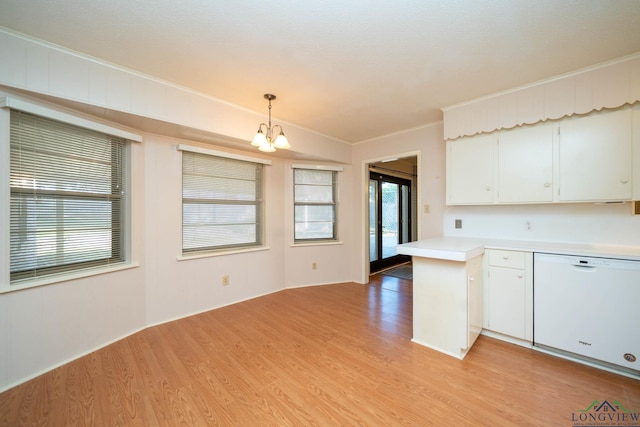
(427, 143)
(50, 325)
(43, 327)
(176, 288)
(333, 261)
(37, 67)
(587, 223)
(46, 326)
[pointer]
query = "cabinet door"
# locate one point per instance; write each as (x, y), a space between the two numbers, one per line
(595, 157)
(636, 151)
(474, 302)
(525, 165)
(470, 170)
(507, 301)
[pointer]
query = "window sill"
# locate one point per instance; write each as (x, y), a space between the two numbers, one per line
(221, 253)
(325, 243)
(65, 277)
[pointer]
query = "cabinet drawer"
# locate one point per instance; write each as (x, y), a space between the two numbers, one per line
(509, 259)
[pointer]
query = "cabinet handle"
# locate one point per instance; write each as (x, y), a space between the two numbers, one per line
(624, 180)
(520, 276)
(488, 188)
(547, 184)
(505, 257)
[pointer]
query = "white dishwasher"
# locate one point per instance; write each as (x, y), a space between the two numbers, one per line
(589, 307)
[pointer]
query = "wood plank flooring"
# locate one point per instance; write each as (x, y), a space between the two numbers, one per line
(331, 355)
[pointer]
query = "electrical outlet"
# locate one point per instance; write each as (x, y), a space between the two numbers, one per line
(427, 209)
(458, 223)
(528, 225)
(225, 280)
(314, 266)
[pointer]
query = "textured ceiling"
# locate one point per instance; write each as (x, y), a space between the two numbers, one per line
(353, 69)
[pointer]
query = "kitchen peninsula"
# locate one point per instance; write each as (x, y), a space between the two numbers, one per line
(447, 293)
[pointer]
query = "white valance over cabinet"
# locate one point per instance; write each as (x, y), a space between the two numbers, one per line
(606, 86)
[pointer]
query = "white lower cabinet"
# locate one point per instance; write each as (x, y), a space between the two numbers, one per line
(447, 304)
(508, 297)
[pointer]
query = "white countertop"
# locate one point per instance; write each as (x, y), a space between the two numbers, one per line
(463, 248)
(447, 248)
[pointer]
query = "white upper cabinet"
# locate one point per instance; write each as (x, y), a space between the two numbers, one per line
(525, 164)
(470, 170)
(596, 157)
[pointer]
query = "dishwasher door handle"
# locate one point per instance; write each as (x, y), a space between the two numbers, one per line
(583, 267)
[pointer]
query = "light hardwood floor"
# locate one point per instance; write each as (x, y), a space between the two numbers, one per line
(328, 355)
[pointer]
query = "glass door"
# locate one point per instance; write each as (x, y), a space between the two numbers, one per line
(389, 219)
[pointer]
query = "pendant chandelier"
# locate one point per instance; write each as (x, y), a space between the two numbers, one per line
(269, 138)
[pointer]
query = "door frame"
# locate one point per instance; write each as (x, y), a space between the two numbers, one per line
(382, 263)
(364, 206)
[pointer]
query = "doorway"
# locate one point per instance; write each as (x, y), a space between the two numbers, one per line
(390, 222)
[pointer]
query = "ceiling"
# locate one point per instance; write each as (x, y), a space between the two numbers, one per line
(352, 70)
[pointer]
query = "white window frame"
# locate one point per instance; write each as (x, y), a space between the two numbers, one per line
(8, 103)
(225, 250)
(315, 241)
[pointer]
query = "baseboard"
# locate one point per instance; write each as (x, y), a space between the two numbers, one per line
(507, 338)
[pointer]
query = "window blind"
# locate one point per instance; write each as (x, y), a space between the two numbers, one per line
(314, 205)
(66, 197)
(221, 203)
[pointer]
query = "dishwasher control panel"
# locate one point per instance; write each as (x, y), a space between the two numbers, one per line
(576, 260)
(591, 261)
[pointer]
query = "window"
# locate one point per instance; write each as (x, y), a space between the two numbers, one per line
(314, 204)
(221, 203)
(67, 200)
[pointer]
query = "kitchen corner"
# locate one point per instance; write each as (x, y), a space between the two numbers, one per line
(465, 286)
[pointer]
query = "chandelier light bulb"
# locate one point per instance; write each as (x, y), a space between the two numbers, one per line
(282, 142)
(259, 140)
(267, 148)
